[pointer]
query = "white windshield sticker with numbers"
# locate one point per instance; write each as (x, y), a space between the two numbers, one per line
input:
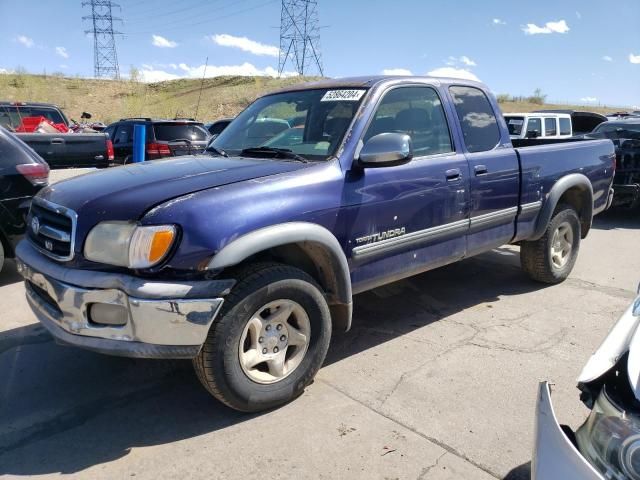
(515, 121)
(342, 96)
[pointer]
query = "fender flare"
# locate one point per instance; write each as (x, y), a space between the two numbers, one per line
(565, 183)
(309, 234)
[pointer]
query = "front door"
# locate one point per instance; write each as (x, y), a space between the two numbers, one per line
(407, 218)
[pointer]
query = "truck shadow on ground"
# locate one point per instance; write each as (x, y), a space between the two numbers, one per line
(66, 410)
(617, 218)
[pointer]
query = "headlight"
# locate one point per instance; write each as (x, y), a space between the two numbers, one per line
(129, 245)
(610, 440)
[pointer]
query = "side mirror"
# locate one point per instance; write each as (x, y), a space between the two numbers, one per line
(533, 134)
(386, 150)
(85, 115)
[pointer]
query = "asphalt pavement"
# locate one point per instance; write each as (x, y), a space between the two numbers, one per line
(436, 380)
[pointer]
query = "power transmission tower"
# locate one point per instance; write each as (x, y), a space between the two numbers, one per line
(105, 57)
(300, 37)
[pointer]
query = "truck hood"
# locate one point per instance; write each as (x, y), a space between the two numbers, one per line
(126, 193)
(624, 337)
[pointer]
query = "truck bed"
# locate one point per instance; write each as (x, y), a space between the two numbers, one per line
(543, 163)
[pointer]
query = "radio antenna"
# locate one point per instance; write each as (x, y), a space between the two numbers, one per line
(206, 62)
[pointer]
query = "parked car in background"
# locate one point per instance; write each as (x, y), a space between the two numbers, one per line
(58, 145)
(164, 138)
(622, 115)
(538, 125)
(216, 128)
(581, 121)
(22, 174)
(625, 135)
(607, 445)
(247, 257)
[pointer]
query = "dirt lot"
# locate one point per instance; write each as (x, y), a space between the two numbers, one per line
(436, 380)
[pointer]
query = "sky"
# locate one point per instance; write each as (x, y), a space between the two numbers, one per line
(575, 51)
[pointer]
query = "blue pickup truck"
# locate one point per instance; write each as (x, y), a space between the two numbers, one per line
(246, 258)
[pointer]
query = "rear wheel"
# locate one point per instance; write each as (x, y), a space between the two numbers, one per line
(269, 341)
(551, 258)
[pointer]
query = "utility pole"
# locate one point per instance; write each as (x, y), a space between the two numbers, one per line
(300, 37)
(105, 57)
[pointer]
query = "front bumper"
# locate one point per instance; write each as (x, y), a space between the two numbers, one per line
(162, 320)
(554, 455)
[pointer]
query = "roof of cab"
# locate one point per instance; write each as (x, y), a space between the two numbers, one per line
(372, 80)
(537, 114)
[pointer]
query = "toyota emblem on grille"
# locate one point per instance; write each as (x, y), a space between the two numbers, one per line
(48, 245)
(35, 225)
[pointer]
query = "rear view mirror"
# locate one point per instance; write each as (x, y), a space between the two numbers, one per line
(533, 134)
(385, 150)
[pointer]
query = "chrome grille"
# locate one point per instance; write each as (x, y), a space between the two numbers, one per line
(51, 229)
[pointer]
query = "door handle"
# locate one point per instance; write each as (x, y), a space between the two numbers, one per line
(480, 170)
(57, 141)
(453, 174)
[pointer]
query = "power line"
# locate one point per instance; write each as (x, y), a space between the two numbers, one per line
(300, 37)
(179, 19)
(207, 21)
(105, 57)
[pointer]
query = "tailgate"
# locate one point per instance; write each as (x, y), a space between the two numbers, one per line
(186, 148)
(69, 149)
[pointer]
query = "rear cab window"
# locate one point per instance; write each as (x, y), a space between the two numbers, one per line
(168, 132)
(11, 115)
(550, 127)
(565, 126)
(477, 119)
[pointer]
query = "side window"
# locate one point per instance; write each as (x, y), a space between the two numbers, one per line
(110, 130)
(550, 128)
(479, 124)
(535, 124)
(124, 134)
(565, 126)
(418, 112)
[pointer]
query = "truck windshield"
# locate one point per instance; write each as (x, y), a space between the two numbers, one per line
(11, 115)
(308, 123)
(514, 124)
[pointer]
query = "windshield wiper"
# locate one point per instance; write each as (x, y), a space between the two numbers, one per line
(282, 152)
(217, 150)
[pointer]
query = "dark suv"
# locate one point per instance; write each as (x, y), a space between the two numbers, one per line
(165, 138)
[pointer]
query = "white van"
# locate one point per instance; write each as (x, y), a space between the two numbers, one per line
(539, 125)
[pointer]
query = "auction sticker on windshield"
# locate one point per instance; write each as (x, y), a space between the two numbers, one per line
(342, 96)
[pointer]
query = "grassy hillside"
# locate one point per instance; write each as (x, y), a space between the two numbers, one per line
(221, 96)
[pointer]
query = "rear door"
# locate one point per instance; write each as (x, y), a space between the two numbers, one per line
(123, 142)
(407, 218)
(495, 171)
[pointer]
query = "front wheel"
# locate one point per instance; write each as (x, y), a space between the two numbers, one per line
(269, 341)
(551, 258)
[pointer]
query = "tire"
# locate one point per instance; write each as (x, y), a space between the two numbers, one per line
(254, 319)
(541, 259)
(2, 255)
